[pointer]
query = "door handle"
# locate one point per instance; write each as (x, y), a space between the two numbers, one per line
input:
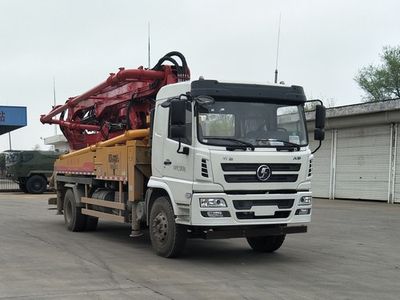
(167, 162)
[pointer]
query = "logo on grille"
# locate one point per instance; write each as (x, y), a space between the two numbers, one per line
(263, 173)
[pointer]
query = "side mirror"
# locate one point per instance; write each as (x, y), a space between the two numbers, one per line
(178, 119)
(319, 134)
(178, 131)
(319, 131)
(320, 114)
(178, 112)
(178, 123)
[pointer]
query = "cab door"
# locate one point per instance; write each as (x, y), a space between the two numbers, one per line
(177, 168)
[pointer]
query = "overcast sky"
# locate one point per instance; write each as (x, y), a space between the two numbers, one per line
(322, 46)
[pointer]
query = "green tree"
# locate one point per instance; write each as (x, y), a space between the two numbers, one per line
(381, 82)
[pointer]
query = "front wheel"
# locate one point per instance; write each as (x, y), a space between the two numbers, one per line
(167, 238)
(266, 243)
(36, 184)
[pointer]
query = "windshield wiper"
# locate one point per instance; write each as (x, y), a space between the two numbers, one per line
(246, 144)
(285, 143)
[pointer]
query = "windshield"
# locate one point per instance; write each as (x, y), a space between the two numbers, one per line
(260, 124)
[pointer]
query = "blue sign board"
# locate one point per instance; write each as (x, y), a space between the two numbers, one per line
(12, 117)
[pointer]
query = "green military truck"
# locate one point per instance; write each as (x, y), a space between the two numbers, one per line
(31, 169)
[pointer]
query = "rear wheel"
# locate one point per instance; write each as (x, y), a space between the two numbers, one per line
(266, 243)
(167, 238)
(91, 223)
(74, 220)
(36, 184)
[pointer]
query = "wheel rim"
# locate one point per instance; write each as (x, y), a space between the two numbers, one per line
(37, 185)
(160, 227)
(68, 211)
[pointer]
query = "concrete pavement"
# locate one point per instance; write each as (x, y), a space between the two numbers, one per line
(352, 251)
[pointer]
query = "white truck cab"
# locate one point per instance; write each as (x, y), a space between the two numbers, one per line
(233, 160)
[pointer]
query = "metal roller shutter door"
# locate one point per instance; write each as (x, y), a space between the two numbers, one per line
(362, 163)
(321, 165)
(397, 172)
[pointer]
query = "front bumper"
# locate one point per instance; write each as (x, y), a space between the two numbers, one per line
(251, 209)
(223, 232)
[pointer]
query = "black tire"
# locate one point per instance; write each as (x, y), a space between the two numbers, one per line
(36, 184)
(167, 238)
(74, 220)
(91, 223)
(266, 243)
(22, 187)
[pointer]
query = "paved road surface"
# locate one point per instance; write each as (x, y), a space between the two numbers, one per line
(352, 251)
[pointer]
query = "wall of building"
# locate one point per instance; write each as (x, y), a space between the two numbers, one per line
(359, 158)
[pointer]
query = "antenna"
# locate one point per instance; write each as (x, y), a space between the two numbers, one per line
(277, 49)
(148, 44)
(54, 101)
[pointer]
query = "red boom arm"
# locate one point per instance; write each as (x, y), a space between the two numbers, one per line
(121, 102)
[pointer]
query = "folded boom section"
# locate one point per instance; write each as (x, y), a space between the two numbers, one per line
(122, 102)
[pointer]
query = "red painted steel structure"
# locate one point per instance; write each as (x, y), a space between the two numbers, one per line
(123, 101)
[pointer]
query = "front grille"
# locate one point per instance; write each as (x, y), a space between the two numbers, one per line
(253, 167)
(253, 178)
(244, 192)
(248, 204)
(282, 214)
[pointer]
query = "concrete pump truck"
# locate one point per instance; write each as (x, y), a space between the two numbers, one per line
(187, 159)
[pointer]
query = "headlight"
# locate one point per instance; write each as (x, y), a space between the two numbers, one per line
(212, 202)
(305, 200)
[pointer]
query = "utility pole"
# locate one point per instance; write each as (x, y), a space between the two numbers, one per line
(9, 140)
